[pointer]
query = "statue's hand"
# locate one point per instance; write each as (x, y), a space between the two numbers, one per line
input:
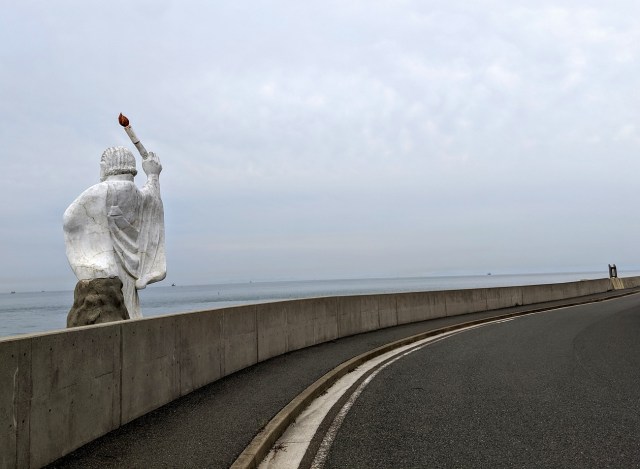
(152, 165)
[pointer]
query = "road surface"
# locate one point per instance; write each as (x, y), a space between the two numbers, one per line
(555, 389)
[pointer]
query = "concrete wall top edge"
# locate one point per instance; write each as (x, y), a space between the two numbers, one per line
(229, 309)
(576, 282)
(73, 330)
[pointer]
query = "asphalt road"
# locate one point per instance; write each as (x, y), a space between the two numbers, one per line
(555, 389)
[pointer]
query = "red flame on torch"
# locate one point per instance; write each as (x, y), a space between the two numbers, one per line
(122, 119)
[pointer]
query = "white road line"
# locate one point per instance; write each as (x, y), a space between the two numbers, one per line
(327, 441)
(292, 445)
(288, 451)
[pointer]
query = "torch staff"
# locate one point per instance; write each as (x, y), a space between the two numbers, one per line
(124, 122)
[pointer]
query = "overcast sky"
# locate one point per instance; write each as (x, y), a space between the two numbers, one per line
(330, 139)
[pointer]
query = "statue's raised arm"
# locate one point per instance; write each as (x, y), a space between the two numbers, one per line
(114, 238)
(153, 266)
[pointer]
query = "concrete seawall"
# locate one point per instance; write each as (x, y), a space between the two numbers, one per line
(62, 389)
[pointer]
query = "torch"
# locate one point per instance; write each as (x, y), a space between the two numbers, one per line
(124, 122)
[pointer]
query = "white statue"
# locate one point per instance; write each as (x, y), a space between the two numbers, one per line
(113, 229)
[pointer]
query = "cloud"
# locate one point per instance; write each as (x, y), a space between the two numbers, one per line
(330, 139)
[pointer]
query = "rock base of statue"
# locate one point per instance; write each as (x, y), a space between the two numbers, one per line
(97, 301)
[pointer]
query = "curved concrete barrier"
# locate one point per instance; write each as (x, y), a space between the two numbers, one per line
(62, 389)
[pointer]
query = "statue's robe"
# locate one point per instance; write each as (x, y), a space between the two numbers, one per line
(114, 229)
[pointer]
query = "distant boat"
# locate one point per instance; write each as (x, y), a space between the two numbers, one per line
(488, 273)
(12, 292)
(173, 284)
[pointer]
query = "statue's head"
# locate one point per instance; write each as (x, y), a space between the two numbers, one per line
(117, 160)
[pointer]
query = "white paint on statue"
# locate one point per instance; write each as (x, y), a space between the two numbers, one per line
(114, 229)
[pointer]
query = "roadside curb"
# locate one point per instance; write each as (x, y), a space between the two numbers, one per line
(261, 444)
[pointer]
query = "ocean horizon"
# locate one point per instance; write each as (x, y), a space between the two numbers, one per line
(44, 311)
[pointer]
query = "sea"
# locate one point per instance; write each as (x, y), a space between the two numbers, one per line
(34, 312)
